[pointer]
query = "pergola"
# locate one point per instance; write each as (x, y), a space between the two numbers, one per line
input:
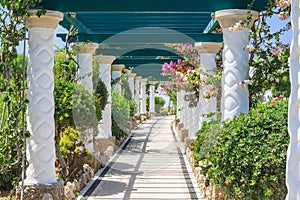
(132, 34)
(135, 31)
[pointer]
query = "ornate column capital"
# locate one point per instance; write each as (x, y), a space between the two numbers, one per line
(117, 67)
(132, 75)
(138, 78)
(87, 48)
(106, 59)
(144, 80)
(208, 47)
(153, 82)
(49, 20)
(228, 18)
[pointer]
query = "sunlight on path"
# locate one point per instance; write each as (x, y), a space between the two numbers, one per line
(151, 167)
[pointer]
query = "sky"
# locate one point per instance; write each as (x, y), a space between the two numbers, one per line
(276, 24)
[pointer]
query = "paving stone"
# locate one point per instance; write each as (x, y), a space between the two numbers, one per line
(151, 167)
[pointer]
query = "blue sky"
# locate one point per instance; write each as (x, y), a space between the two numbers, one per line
(276, 24)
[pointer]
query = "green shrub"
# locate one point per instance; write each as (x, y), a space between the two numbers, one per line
(159, 103)
(206, 138)
(68, 140)
(248, 159)
(101, 97)
(120, 115)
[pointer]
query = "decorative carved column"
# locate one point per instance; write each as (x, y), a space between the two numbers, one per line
(178, 111)
(105, 75)
(137, 88)
(143, 97)
(85, 78)
(116, 72)
(235, 60)
(182, 110)
(40, 149)
(85, 71)
(195, 115)
(131, 77)
(152, 99)
(208, 51)
(293, 153)
(184, 116)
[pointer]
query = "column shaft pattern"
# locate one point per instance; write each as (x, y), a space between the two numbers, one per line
(152, 99)
(293, 153)
(143, 97)
(235, 60)
(137, 95)
(105, 123)
(40, 149)
(85, 72)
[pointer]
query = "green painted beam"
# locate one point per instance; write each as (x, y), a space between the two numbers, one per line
(144, 38)
(211, 26)
(148, 6)
(136, 61)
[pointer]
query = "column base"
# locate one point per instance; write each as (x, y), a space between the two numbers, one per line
(180, 126)
(104, 148)
(53, 191)
(187, 142)
(183, 134)
(177, 121)
(152, 114)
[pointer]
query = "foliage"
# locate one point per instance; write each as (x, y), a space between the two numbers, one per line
(173, 97)
(12, 91)
(159, 103)
(268, 55)
(64, 83)
(100, 90)
(248, 159)
(132, 108)
(120, 115)
(188, 75)
(68, 140)
(205, 140)
(84, 111)
(101, 98)
(125, 86)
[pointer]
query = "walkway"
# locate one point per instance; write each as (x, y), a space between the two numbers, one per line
(150, 167)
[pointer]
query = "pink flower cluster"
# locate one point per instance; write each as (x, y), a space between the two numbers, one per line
(283, 15)
(248, 48)
(277, 51)
(187, 51)
(174, 69)
(244, 83)
(283, 3)
(277, 98)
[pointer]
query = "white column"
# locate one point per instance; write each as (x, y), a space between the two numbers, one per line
(194, 127)
(184, 109)
(235, 60)
(152, 99)
(105, 75)
(143, 97)
(40, 149)
(208, 51)
(189, 116)
(178, 95)
(85, 59)
(293, 153)
(131, 83)
(137, 88)
(116, 72)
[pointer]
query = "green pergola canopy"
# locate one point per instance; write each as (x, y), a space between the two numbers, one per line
(135, 30)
